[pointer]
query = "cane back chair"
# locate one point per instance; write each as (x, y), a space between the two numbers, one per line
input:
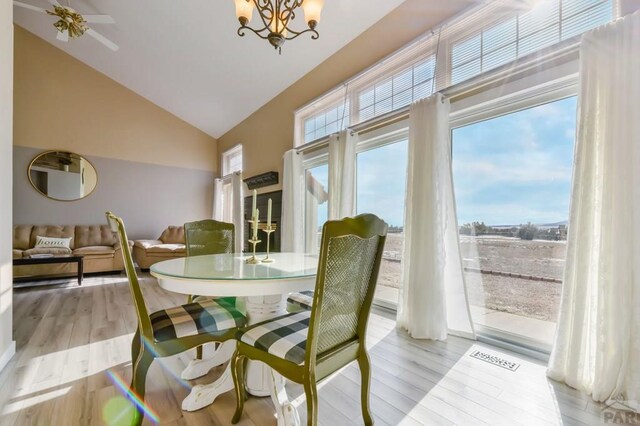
(307, 346)
(170, 331)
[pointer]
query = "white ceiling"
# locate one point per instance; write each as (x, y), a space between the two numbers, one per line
(186, 57)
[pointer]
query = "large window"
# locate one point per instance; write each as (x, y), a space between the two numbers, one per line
(490, 35)
(326, 122)
(549, 22)
(512, 177)
(398, 90)
(381, 179)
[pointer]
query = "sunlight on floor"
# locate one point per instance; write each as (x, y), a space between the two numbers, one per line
(21, 404)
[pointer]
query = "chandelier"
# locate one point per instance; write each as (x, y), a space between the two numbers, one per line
(275, 18)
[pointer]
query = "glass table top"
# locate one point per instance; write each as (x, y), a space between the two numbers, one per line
(233, 267)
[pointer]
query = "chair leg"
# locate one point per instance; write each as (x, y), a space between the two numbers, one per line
(139, 376)
(365, 373)
(238, 363)
(311, 394)
(135, 348)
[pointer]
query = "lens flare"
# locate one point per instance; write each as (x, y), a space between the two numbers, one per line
(117, 406)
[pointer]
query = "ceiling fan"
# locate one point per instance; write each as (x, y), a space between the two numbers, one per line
(72, 24)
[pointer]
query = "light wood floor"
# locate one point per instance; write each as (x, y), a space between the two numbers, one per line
(68, 338)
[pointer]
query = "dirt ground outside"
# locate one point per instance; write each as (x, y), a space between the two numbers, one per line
(525, 297)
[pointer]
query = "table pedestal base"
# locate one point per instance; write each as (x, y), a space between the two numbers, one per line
(203, 395)
(260, 379)
(201, 367)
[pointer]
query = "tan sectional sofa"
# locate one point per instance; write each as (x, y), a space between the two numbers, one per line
(96, 243)
(169, 245)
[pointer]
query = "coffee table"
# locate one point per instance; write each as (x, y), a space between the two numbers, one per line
(50, 260)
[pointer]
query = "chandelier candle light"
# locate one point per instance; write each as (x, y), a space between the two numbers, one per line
(255, 214)
(275, 18)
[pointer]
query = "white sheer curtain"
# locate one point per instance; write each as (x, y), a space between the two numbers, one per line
(292, 198)
(342, 174)
(218, 196)
(433, 300)
(228, 193)
(237, 210)
(597, 347)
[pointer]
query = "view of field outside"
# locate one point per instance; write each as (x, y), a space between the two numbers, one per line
(512, 177)
(381, 176)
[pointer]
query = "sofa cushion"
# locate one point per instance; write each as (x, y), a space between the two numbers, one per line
(55, 231)
(21, 236)
(167, 248)
(145, 244)
(17, 254)
(95, 251)
(173, 235)
(56, 251)
(93, 235)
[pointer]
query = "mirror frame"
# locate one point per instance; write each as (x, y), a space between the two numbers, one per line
(33, 185)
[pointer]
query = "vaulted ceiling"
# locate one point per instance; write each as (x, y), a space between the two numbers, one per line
(186, 57)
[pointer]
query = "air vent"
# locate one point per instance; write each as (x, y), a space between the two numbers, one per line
(495, 360)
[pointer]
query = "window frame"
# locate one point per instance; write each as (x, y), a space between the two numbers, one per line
(483, 110)
(226, 158)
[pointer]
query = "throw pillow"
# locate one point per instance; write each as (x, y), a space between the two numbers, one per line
(49, 242)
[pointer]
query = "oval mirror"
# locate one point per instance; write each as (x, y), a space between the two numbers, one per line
(62, 175)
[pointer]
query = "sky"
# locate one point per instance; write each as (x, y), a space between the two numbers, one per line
(516, 168)
(507, 170)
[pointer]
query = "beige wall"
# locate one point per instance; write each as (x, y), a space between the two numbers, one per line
(268, 133)
(7, 346)
(61, 103)
(152, 168)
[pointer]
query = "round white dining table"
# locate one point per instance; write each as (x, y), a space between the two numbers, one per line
(261, 290)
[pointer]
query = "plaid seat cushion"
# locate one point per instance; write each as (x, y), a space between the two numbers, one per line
(204, 316)
(284, 337)
(303, 299)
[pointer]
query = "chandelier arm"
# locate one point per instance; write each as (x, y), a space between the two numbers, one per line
(265, 11)
(314, 35)
(289, 13)
(256, 32)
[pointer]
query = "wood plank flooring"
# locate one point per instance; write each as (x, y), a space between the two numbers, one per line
(72, 341)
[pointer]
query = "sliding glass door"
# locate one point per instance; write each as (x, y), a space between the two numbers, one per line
(512, 177)
(380, 189)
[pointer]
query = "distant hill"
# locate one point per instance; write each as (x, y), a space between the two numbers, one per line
(539, 225)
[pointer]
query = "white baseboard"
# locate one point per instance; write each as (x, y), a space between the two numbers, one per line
(7, 355)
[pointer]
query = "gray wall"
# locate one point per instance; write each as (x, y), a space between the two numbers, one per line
(148, 197)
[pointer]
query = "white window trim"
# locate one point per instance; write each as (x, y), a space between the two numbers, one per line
(225, 159)
(463, 25)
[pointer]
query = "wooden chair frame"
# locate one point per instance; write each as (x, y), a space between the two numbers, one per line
(144, 348)
(318, 366)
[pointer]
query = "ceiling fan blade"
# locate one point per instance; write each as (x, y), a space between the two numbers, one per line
(102, 39)
(99, 19)
(62, 36)
(28, 6)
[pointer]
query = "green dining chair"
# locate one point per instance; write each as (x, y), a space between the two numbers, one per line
(209, 236)
(307, 346)
(173, 330)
